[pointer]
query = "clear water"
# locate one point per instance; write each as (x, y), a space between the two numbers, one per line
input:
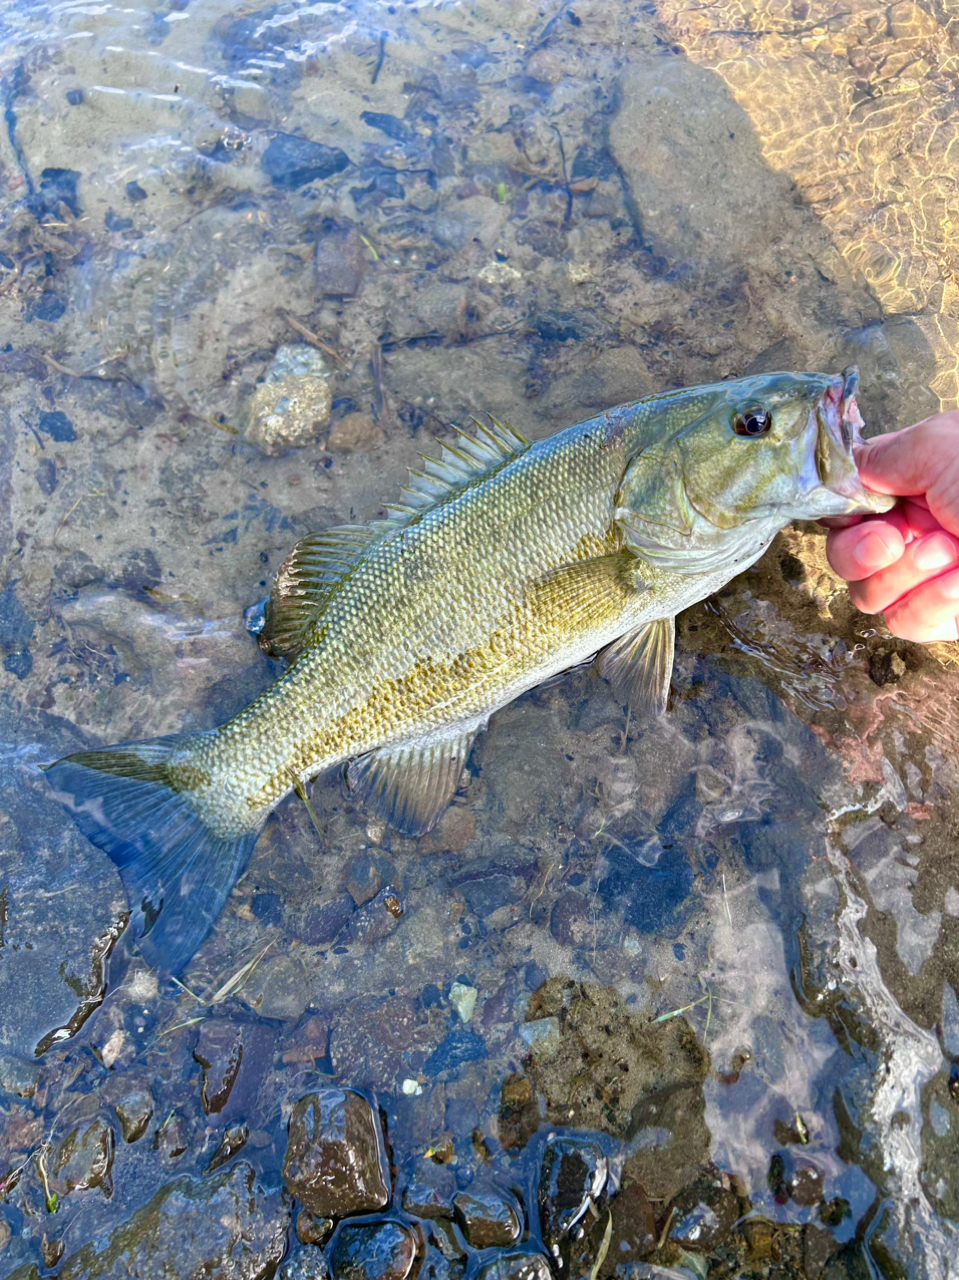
(541, 211)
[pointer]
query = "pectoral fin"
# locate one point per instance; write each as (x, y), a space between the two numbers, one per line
(639, 665)
(411, 786)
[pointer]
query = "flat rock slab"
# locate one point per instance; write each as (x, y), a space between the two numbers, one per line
(227, 1226)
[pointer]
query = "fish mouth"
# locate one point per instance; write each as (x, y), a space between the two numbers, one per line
(839, 427)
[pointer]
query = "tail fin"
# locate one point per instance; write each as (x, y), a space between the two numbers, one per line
(133, 802)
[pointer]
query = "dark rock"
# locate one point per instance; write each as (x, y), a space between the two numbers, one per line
(339, 262)
(224, 1226)
(173, 1137)
(489, 887)
(372, 1251)
(85, 1158)
(113, 222)
(16, 626)
(58, 185)
(461, 1046)
(312, 1230)
(429, 1193)
(321, 923)
(46, 476)
(135, 192)
(74, 97)
(335, 1162)
(134, 1111)
(571, 922)
(232, 1143)
(46, 306)
(267, 907)
(571, 1181)
(139, 570)
(705, 1213)
(305, 1264)
(219, 1051)
(366, 873)
(886, 666)
(376, 919)
(77, 570)
(290, 162)
(488, 1218)
(394, 128)
(523, 1264)
(634, 1232)
(18, 664)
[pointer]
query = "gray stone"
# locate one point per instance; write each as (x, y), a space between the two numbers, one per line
(226, 1226)
(335, 1162)
(279, 987)
(690, 155)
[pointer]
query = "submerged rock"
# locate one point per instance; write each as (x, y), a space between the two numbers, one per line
(335, 1162)
(572, 1179)
(521, 1265)
(372, 1251)
(487, 1217)
(225, 1226)
(219, 1051)
(291, 406)
(85, 1159)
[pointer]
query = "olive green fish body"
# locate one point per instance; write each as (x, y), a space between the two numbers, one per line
(507, 562)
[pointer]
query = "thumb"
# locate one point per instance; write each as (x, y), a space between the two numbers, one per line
(909, 462)
(922, 459)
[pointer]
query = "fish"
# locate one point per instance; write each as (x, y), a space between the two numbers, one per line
(504, 562)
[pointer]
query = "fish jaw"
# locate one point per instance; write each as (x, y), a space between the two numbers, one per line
(830, 473)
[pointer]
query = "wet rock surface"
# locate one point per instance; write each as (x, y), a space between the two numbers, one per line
(372, 1251)
(335, 1161)
(487, 1218)
(228, 1225)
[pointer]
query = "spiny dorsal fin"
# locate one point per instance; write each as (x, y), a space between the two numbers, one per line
(639, 665)
(458, 465)
(320, 563)
(410, 787)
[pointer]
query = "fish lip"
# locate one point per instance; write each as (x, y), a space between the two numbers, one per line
(838, 430)
(838, 419)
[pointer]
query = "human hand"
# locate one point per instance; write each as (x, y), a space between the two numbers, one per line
(905, 564)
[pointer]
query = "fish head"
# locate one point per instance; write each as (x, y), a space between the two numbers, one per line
(737, 461)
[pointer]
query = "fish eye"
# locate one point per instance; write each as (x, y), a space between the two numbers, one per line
(754, 420)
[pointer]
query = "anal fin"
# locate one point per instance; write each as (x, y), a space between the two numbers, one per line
(639, 665)
(411, 786)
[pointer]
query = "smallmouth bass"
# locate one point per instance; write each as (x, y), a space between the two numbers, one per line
(504, 563)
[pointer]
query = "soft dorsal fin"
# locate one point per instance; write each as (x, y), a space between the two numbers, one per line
(313, 571)
(639, 665)
(320, 563)
(411, 786)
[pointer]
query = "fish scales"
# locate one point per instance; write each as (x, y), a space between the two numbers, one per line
(509, 561)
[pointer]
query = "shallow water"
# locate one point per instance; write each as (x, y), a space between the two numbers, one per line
(538, 212)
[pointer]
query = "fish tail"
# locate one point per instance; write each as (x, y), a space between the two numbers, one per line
(140, 803)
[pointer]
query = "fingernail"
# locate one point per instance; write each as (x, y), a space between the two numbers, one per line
(937, 551)
(872, 551)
